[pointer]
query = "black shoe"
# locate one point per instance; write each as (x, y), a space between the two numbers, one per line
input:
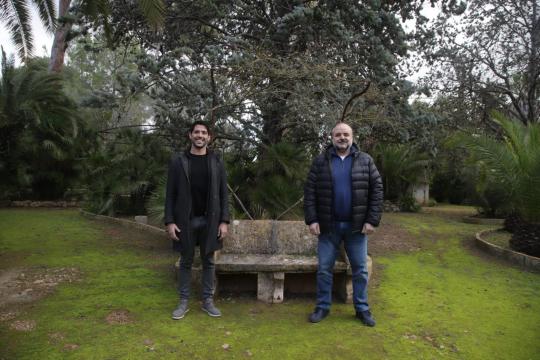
(366, 318)
(318, 315)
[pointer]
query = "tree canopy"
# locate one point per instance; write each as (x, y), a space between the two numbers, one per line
(489, 58)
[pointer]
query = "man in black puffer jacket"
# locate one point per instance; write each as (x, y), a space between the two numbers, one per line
(343, 199)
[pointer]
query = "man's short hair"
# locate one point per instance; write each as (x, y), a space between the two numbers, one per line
(202, 123)
(341, 123)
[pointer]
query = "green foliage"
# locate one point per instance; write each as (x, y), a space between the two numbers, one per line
(492, 198)
(513, 163)
(131, 163)
(401, 166)
(155, 204)
(432, 203)
(496, 68)
(125, 158)
(453, 180)
(271, 183)
(150, 11)
(106, 85)
(407, 203)
(280, 72)
(40, 133)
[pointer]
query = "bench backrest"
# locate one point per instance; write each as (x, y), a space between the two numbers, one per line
(269, 237)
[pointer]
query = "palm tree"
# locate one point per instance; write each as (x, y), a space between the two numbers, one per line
(401, 166)
(38, 125)
(270, 183)
(15, 15)
(514, 164)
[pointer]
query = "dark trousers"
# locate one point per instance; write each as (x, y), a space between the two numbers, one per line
(198, 228)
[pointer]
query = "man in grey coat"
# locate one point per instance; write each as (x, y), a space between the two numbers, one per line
(197, 214)
(343, 203)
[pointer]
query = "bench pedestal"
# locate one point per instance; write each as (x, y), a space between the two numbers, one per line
(270, 286)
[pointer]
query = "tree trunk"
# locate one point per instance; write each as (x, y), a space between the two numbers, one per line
(58, 50)
(272, 115)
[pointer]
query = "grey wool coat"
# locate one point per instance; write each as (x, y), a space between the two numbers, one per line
(178, 201)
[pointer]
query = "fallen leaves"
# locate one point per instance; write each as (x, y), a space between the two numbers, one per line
(23, 325)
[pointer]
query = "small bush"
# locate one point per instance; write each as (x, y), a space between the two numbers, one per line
(408, 204)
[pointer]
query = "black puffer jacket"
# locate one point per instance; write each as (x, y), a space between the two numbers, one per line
(367, 191)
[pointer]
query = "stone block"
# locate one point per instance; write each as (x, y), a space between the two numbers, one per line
(270, 286)
(248, 237)
(293, 237)
(141, 219)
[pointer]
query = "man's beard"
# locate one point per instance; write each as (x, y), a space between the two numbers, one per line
(342, 145)
(204, 143)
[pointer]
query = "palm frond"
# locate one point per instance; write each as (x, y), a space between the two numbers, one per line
(514, 163)
(156, 202)
(153, 11)
(106, 206)
(53, 149)
(401, 166)
(47, 13)
(99, 11)
(16, 17)
(495, 155)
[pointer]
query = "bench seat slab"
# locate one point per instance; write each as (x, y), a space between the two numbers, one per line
(255, 263)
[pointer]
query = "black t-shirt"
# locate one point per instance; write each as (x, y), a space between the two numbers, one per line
(198, 166)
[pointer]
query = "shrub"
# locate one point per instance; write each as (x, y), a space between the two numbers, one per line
(408, 204)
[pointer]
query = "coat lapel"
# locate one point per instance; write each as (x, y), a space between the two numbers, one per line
(185, 165)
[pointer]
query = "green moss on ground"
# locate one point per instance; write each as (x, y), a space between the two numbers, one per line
(500, 238)
(442, 302)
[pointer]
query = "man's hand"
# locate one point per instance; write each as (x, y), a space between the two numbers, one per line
(223, 230)
(368, 229)
(314, 229)
(171, 230)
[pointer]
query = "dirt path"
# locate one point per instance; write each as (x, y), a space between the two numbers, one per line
(389, 238)
(22, 286)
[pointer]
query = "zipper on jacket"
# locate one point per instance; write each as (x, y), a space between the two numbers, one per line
(329, 160)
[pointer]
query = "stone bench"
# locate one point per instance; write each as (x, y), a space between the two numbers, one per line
(272, 249)
(269, 249)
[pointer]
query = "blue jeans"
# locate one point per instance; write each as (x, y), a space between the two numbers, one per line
(356, 249)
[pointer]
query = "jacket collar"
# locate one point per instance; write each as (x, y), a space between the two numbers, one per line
(331, 150)
(184, 160)
(187, 151)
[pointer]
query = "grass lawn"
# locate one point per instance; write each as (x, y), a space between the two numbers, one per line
(441, 299)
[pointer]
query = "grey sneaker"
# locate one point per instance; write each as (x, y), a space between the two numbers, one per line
(209, 307)
(181, 310)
